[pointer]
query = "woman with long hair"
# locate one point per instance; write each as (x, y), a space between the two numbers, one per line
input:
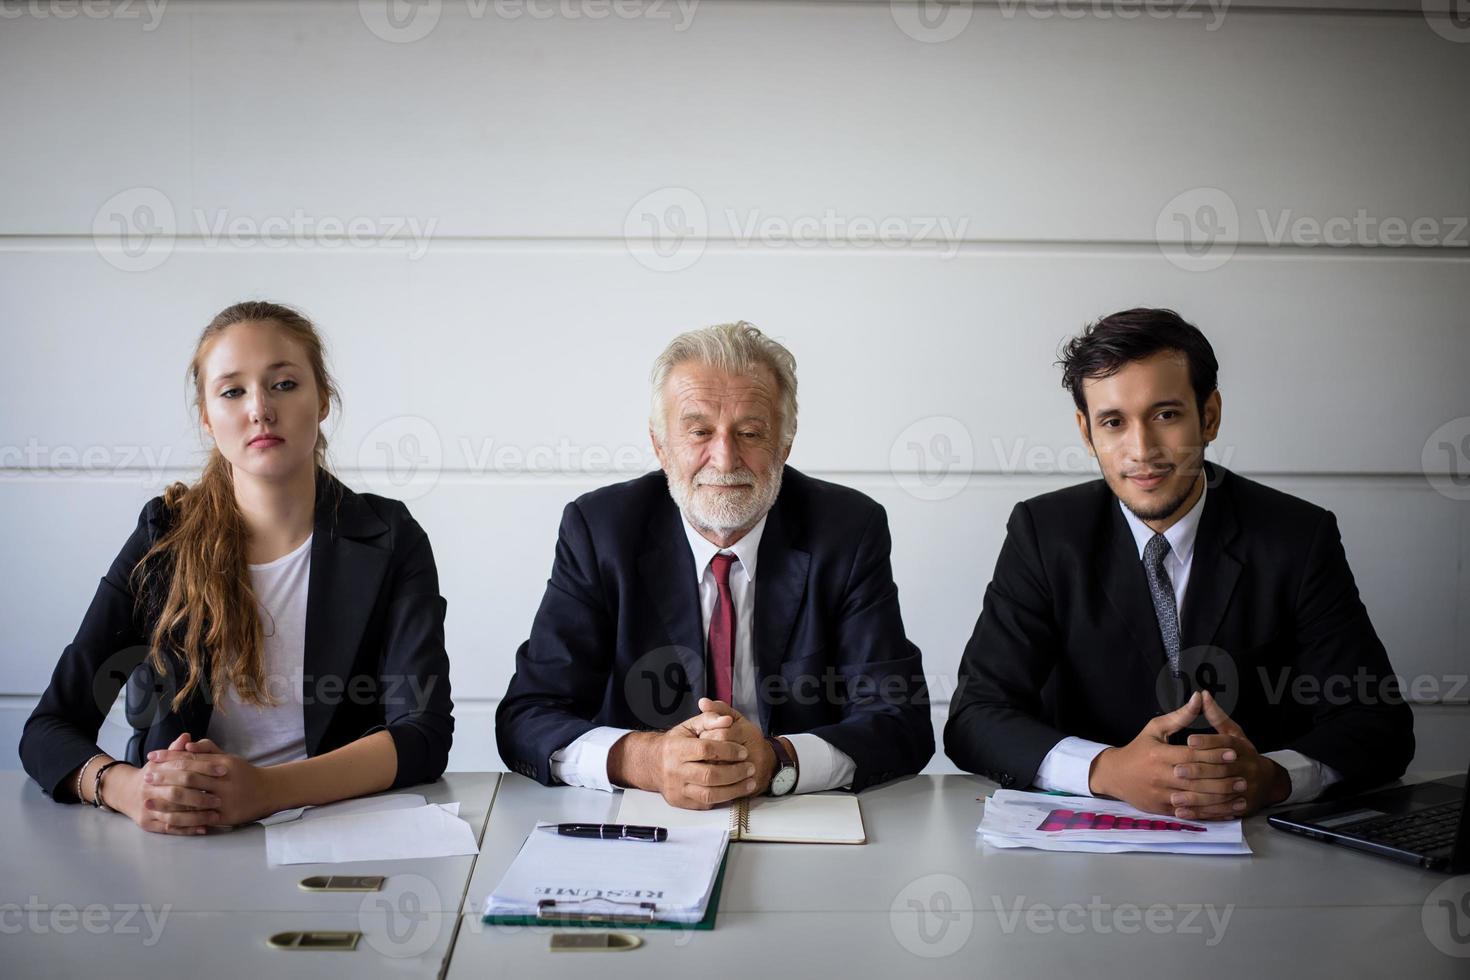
(295, 623)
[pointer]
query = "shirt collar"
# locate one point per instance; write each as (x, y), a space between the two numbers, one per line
(1181, 533)
(744, 550)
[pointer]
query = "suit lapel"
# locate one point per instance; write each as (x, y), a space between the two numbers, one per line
(348, 562)
(667, 569)
(1214, 569)
(780, 584)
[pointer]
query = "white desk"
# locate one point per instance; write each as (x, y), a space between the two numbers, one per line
(58, 853)
(86, 893)
(1294, 906)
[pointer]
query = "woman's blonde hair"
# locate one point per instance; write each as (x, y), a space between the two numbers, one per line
(195, 575)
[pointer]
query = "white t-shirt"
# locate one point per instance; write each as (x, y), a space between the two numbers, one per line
(267, 736)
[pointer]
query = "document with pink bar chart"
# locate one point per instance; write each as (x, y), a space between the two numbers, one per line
(1052, 822)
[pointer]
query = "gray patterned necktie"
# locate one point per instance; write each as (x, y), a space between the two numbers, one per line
(1162, 590)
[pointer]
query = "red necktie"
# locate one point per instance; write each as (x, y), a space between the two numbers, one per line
(722, 632)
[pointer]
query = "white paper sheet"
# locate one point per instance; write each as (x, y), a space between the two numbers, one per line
(1013, 819)
(380, 828)
(678, 874)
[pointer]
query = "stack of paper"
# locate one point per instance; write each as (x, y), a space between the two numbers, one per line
(667, 881)
(376, 828)
(1083, 823)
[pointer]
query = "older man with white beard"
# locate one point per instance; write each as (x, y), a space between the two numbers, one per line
(727, 626)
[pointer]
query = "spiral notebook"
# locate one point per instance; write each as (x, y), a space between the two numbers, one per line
(810, 819)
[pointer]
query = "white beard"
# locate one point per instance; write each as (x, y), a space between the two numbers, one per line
(725, 512)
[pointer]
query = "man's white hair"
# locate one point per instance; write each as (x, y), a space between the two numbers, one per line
(736, 348)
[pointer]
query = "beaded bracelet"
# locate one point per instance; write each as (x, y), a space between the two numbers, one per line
(81, 772)
(97, 800)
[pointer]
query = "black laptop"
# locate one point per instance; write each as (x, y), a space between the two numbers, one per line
(1427, 824)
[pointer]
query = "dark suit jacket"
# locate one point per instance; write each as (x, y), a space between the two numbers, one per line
(619, 640)
(1068, 642)
(375, 653)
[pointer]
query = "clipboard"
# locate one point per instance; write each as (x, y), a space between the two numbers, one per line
(621, 920)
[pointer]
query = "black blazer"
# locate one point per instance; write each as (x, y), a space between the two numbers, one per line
(375, 653)
(1068, 643)
(619, 640)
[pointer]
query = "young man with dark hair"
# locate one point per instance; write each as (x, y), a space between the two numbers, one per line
(1172, 596)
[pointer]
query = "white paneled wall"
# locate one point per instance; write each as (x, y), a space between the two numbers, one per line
(499, 223)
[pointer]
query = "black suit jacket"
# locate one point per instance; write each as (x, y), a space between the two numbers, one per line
(1068, 642)
(619, 640)
(375, 654)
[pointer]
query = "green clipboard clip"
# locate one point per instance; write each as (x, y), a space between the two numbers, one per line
(640, 916)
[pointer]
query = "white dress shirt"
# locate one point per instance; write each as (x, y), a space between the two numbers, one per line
(820, 764)
(1067, 766)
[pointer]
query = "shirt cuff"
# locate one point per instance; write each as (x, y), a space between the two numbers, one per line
(1309, 778)
(1068, 766)
(820, 765)
(584, 761)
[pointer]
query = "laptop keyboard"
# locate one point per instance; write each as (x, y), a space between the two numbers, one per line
(1424, 830)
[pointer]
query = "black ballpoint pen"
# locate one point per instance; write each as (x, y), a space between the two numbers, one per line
(613, 831)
